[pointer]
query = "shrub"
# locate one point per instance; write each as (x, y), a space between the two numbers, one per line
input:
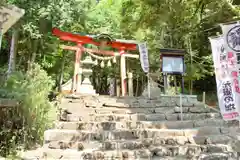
(31, 116)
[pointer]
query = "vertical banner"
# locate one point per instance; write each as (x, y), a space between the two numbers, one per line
(145, 63)
(231, 36)
(144, 57)
(227, 96)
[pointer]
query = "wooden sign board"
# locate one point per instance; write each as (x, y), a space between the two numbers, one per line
(9, 15)
(172, 61)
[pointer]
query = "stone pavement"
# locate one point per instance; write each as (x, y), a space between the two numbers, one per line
(105, 128)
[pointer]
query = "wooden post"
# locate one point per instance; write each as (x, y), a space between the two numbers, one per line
(149, 87)
(182, 84)
(130, 84)
(123, 73)
(137, 85)
(118, 88)
(165, 83)
(61, 74)
(204, 99)
(181, 109)
(175, 84)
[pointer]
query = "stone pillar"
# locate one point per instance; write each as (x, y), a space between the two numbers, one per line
(79, 80)
(123, 74)
(112, 86)
(130, 84)
(118, 88)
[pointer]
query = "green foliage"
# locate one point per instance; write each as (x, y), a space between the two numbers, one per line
(31, 116)
(162, 24)
(184, 24)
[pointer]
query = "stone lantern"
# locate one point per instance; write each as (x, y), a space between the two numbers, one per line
(86, 86)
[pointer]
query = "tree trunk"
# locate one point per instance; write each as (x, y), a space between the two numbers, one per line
(1, 36)
(13, 50)
(61, 74)
(191, 61)
(137, 85)
(34, 51)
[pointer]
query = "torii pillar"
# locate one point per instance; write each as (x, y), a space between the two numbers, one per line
(123, 72)
(78, 55)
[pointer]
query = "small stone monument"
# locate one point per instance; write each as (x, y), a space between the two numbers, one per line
(112, 88)
(155, 90)
(86, 86)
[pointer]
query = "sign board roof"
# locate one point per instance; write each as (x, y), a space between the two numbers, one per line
(169, 51)
(9, 15)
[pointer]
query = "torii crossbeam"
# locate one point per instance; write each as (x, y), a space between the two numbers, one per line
(121, 45)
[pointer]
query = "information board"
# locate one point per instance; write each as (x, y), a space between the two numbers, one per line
(172, 64)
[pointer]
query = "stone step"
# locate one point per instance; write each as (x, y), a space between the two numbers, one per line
(111, 125)
(75, 135)
(133, 101)
(143, 154)
(99, 117)
(143, 103)
(165, 144)
(219, 156)
(118, 144)
(181, 124)
(114, 110)
(73, 145)
(142, 117)
(70, 135)
(30, 154)
(157, 153)
(146, 142)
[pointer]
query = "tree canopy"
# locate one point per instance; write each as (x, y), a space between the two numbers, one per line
(179, 24)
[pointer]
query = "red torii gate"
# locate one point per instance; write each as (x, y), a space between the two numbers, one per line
(80, 40)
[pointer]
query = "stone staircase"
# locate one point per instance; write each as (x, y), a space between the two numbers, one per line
(105, 128)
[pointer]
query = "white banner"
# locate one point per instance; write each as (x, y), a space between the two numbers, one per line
(227, 96)
(144, 56)
(231, 36)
